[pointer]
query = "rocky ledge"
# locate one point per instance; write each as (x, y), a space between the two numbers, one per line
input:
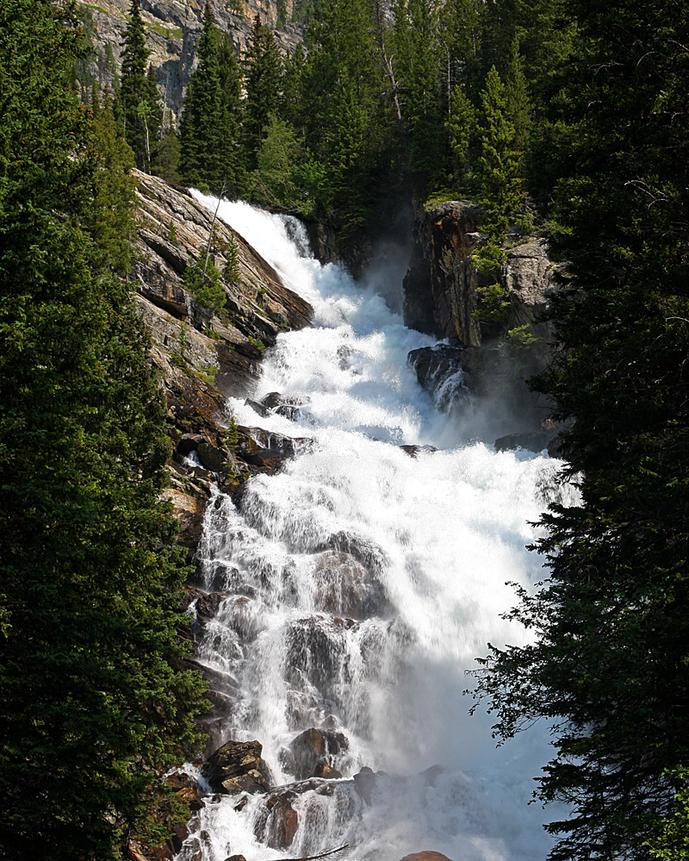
(203, 357)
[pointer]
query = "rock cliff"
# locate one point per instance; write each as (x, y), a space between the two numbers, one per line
(491, 360)
(440, 287)
(203, 357)
(172, 31)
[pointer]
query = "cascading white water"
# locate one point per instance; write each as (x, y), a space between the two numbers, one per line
(362, 584)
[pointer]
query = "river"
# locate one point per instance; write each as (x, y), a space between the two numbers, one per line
(362, 584)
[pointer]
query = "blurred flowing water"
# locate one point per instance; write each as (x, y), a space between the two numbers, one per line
(362, 582)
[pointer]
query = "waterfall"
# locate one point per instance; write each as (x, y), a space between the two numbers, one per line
(360, 583)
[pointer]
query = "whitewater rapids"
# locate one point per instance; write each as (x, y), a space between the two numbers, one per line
(428, 544)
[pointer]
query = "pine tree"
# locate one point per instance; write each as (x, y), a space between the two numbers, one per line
(517, 101)
(461, 129)
(345, 120)
(231, 116)
(462, 23)
(263, 75)
(93, 703)
(208, 128)
(138, 93)
(416, 48)
(500, 181)
(608, 662)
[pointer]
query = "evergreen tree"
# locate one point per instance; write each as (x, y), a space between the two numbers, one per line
(262, 75)
(292, 107)
(462, 23)
(138, 93)
(500, 182)
(517, 101)
(609, 661)
(93, 703)
(208, 128)
(416, 47)
(231, 113)
(345, 120)
(461, 129)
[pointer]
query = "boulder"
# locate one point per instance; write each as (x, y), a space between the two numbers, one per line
(365, 783)
(267, 451)
(212, 458)
(284, 405)
(413, 450)
(426, 856)
(439, 370)
(279, 821)
(313, 753)
(530, 440)
(347, 587)
(237, 766)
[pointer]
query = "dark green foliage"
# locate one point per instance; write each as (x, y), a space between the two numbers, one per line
(610, 662)
(346, 134)
(499, 177)
(202, 280)
(138, 94)
(415, 46)
(461, 130)
(209, 131)
(166, 157)
(276, 182)
(262, 76)
(231, 271)
(93, 702)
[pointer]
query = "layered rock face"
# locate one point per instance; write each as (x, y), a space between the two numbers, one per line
(172, 31)
(202, 357)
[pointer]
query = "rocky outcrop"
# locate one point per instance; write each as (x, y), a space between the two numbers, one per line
(315, 752)
(172, 32)
(489, 358)
(202, 357)
(440, 287)
(237, 766)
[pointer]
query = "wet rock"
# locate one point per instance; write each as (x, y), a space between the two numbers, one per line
(235, 858)
(327, 772)
(365, 783)
(266, 451)
(237, 766)
(205, 604)
(284, 405)
(257, 407)
(211, 457)
(440, 286)
(439, 371)
(346, 587)
(370, 555)
(313, 753)
(530, 440)
(187, 443)
(426, 856)
(187, 790)
(413, 450)
(278, 822)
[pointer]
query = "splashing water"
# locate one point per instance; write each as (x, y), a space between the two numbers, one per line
(361, 583)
